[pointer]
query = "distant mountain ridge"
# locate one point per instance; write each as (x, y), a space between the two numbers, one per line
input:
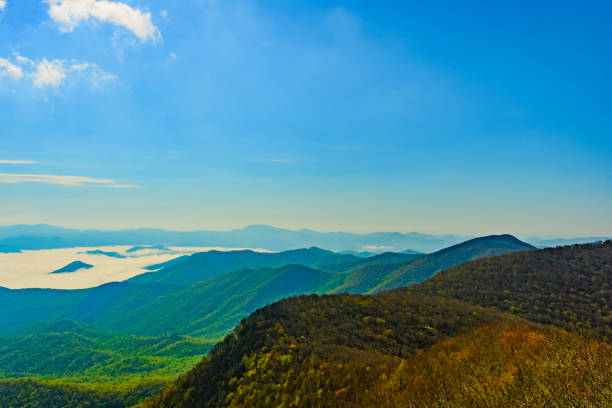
(32, 237)
(254, 236)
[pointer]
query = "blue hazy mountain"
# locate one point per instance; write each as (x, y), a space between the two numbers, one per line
(73, 267)
(111, 254)
(255, 236)
(24, 237)
(139, 248)
(555, 242)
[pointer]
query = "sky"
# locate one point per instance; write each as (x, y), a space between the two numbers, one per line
(467, 117)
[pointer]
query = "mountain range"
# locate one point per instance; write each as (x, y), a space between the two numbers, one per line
(364, 319)
(31, 237)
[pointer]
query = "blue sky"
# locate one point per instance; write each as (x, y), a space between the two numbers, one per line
(465, 117)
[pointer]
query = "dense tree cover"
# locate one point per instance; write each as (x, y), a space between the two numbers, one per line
(513, 364)
(385, 258)
(355, 351)
(27, 393)
(569, 287)
(71, 351)
(311, 351)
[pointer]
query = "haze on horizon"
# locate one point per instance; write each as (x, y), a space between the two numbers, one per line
(469, 118)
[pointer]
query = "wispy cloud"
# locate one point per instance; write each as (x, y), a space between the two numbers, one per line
(9, 69)
(75, 181)
(70, 13)
(2, 4)
(45, 73)
(17, 162)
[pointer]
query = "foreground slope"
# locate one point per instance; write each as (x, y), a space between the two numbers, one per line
(307, 350)
(341, 350)
(509, 364)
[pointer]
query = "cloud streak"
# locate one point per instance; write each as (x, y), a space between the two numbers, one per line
(70, 13)
(17, 162)
(73, 181)
(2, 4)
(44, 73)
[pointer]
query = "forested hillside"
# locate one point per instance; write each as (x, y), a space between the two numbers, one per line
(73, 351)
(317, 351)
(425, 267)
(569, 287)
(206, 265)
(341, 350)
(29, 393)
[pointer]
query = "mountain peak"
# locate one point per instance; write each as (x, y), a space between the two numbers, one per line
(73, 267)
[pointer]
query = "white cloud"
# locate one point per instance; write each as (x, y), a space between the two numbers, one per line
(49, 73)
(21, 60)
(2, 4)
(75, 181)
(70, 13)
(45, 73)
(17, 162)
(80, 67)
(163, 13)
(10, 69)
